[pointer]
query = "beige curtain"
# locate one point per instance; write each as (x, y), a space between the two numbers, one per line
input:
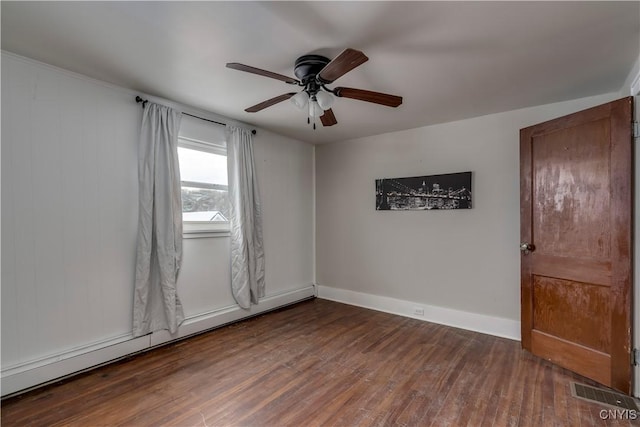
(247, 251)
(156, 304)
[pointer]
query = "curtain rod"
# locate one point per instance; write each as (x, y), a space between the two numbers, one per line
(144, 102)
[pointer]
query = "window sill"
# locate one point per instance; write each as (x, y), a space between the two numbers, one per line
(202, 234)
(199, 230)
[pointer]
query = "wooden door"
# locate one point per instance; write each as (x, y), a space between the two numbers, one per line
(576, 201)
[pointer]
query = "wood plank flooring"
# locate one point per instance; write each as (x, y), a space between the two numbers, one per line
(318, 363)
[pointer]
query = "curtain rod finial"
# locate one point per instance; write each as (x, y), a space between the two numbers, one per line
(139, 100)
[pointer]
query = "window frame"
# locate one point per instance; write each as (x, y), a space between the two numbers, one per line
(198, 229)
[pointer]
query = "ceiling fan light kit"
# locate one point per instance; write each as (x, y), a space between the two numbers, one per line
(325, 100)
(300, 99)
(314, 109)
(314, 73)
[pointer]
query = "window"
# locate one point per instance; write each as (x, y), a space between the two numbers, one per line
(203, 171)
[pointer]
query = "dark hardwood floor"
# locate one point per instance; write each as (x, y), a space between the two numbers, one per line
(318, 363)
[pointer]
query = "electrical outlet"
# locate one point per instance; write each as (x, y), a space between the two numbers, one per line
(418, 311)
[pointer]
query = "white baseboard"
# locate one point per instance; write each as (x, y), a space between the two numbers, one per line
(213, 319)
(498, 326)
(41, 371)
(30, 374)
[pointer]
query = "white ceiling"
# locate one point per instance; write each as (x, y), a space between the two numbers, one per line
(449, 60)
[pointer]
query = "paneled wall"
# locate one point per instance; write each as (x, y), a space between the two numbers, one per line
(69, 213)
(69, 221)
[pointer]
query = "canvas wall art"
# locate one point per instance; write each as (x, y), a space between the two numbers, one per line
(446, 191)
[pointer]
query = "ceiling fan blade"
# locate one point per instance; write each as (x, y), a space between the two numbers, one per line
(328, 118)
(265, 73)
(341, 65)
(368, 96)
(269, 102)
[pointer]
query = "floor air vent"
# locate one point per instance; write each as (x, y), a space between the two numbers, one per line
(603, 397)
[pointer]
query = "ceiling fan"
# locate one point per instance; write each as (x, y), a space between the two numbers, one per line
(314, 72)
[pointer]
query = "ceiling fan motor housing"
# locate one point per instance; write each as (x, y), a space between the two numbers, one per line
(308, 66)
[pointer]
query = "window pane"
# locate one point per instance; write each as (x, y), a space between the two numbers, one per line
(201, 166)
(205, 204)
(204, 186)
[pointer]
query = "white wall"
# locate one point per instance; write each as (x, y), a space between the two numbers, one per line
(69, 221)
(69, 211)
(462, 264)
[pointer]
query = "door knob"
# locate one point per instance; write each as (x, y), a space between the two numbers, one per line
(527, 247)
